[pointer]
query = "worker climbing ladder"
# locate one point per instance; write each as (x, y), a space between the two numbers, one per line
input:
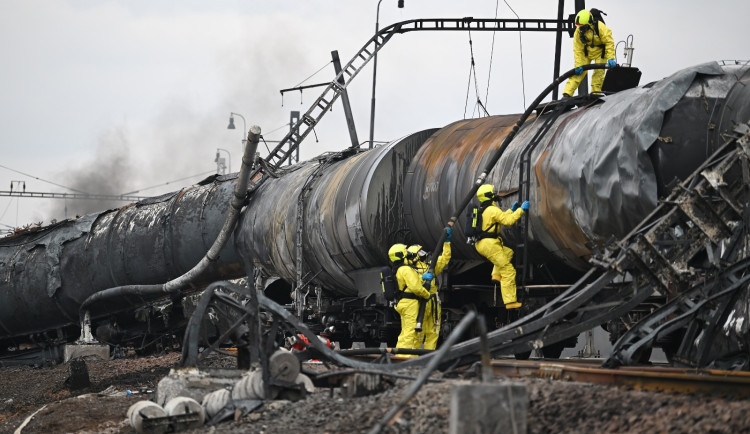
(524, 182)
(706, 215)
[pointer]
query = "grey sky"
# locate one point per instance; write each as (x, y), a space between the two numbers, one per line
(117, 96)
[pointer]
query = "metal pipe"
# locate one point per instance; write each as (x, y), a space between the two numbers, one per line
(183, 281)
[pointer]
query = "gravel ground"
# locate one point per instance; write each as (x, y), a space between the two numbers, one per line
(554, 406)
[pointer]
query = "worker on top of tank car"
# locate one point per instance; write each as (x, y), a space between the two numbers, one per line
(433, 311)
(490, 245)
(410, 292)
(592, 40)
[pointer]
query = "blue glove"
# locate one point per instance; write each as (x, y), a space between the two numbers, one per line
(611, 63)
(428, 276)
(525, 205)
(514, 206)
(579, 70)
(448, 233)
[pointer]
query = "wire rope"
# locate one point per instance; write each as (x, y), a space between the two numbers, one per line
(520, 45)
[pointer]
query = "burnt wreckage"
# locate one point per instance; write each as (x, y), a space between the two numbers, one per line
(639, 223)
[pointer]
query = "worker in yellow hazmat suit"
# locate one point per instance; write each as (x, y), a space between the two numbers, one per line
(433, 311)
(410, 292)
(490, 245)
(592, 40)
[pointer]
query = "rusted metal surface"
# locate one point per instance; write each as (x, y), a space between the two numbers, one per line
(443, 170)
(353, 214)
(597, 172)
(726, 383)
(48, 273)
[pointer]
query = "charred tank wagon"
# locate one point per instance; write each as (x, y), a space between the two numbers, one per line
(317, 233)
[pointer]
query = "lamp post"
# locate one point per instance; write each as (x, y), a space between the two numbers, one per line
(220, 161)
(244, 126)
(375, 71)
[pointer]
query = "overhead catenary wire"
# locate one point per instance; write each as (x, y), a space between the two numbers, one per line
(492, 55)
(43, 180)
(298, 84)
(520, 46)
(169, 182)
(473, 73)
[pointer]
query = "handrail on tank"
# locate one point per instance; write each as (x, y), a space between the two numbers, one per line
(499, 152)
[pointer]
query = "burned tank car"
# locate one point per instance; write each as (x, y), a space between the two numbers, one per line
(596, 173)
(321, 230)
(46, 273)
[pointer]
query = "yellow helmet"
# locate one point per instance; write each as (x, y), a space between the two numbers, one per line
(416, 251)
(485, 192)
(397, 252)
(583, 18)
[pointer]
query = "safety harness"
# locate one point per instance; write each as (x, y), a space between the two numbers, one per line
(402, 292)
(492, 231)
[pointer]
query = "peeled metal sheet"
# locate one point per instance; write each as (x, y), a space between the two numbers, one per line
(595, 174)
(46, 274)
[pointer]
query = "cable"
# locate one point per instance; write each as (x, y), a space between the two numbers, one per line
(473, 72)
(468, 83)
(313, 74)
(169, 182)
(277, 129)
(43, 180)
(6, 210)
(520, 44)
(492, 54)
(476, 83)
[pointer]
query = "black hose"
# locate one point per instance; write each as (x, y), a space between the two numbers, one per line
(499, 152)
(144, 292)
(322, 375)
(427, 371)
(393, 351)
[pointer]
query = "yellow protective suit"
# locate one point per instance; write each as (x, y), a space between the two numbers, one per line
(594, 49)
(494, 250)
(433, 313)
(410, 282)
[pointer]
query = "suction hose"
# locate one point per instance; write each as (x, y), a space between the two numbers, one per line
(175, 285)
(499, 153)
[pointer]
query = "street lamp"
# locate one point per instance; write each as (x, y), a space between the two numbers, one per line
(375, 70)
(220, 161)
(244, 127)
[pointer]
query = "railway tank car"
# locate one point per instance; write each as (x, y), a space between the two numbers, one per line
(320, 231)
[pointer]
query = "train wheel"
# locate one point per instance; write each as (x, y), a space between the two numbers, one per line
(553, 351)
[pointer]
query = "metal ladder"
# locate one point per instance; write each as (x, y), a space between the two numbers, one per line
(524, 189)
(292, 140)
(714, 199)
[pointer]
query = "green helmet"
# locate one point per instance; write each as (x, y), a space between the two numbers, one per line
(397, 252)
(486, 192)
(583, 18)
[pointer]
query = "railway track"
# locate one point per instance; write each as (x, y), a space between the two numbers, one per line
(652, 378)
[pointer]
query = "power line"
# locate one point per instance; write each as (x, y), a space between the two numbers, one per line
(169, 182)
(492, 55)
(46, 195)
(43, 180)
(520, 43)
